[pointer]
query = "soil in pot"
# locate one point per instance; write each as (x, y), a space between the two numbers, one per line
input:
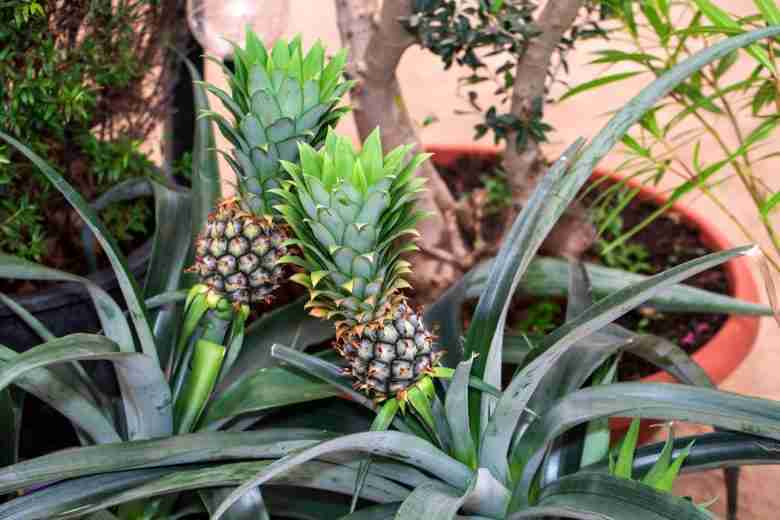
(664, 243)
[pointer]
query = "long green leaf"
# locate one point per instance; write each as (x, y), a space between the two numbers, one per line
(30, 320)
(627, 116)
(456, 408)
(64, 496)
(597, 434)
(10, 418)
(323, 370)
(571, 371)
(394, 445)
(709, 451)
(769, 10)
(599, 82)
(206, 186)
(314, 475)
(265, 389)
(74, 498)
(598, 496)
(181, 449)
(484, 338)
(145, 392)
(444, 316)
(381, 423)
(722, 19)
(656, 400)
(127, 283)
(288, 325)
(433, 501)
(625, 458)
(206, 363)
(113, 321)
(171, 244)
(548, 277)
(73, 373)
(670, 358)
(50, 387)
(523, 386)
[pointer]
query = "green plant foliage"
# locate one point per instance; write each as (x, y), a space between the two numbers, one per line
(462, 443)
(541, 317)
(627, 256)
(178, 350)
(75, 89)
(279, 97)
(499, 194)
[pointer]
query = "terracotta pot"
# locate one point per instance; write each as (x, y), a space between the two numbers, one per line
(721, 355)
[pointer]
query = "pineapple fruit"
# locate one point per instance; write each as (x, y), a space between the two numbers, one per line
(238, 254)
(278, 98)
(353, 216)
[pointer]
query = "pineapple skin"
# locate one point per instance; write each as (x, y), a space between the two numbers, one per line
(389, 356)
(238, 254)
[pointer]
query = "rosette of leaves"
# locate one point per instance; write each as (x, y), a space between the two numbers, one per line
(278, 98)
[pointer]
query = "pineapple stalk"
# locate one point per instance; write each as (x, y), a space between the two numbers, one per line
(353, 215)
(211, 340)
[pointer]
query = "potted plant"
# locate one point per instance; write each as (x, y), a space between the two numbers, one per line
(84, 86)
(472, 446)
(522, 49)
(722, 98)
(722, 346)
(741, 98)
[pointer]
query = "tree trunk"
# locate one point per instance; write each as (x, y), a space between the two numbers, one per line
(573, 234)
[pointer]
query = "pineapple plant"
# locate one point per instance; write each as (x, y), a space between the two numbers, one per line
(353, 216)
(278, 98)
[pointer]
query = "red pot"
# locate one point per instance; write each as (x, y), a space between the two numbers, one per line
(721, 355)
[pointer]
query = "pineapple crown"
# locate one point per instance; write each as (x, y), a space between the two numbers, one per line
(353, 216)
(279, 97)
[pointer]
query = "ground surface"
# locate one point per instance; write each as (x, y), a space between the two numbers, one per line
(431, 91)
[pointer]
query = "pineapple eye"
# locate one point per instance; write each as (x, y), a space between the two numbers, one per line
(218, 247)
(238, 246)
(226, 265)
(248, 263)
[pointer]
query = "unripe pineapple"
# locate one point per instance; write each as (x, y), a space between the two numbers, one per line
(353, 216)
(390, 355)
(238, 254)
(278, 99)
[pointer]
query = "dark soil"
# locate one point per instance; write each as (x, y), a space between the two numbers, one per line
(668, 241)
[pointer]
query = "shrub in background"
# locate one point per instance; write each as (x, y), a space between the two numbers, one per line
(83, 85)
